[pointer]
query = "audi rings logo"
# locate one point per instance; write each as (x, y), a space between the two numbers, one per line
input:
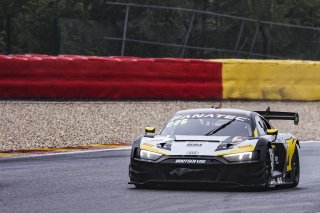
(194, 145)
(192, 153)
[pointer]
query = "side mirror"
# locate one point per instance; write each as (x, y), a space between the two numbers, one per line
(272, 132)
(150, 131)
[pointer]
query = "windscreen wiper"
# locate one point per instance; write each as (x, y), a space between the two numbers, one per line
(220, 127)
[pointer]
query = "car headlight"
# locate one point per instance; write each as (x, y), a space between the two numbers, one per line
(244, 156)
(149, 155)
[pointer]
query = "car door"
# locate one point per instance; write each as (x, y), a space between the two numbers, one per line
(278, 147)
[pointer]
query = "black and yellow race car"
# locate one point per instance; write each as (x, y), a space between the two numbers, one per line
(218, 147)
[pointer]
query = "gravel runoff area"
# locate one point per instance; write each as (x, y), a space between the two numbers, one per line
(26, 125)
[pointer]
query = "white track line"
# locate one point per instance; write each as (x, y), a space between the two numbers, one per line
(309, 184)
(309, 141)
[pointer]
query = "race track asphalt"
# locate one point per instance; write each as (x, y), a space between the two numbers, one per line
(97, 182)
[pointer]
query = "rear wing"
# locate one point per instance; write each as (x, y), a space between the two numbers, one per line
(273, 115)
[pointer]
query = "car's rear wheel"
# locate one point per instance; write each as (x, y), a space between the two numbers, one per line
(295, 164)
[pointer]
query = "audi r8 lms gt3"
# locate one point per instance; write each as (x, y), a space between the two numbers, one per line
(220, 147)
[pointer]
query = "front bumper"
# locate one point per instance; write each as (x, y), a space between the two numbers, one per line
(216, 171)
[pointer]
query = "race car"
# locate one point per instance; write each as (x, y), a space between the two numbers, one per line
(218, 147)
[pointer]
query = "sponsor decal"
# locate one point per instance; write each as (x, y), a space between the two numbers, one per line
(177, 122)
(190, 161)
(245, 146)
(183, 118)
(230, 117)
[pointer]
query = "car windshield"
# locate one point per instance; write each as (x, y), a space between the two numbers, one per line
(193, 125)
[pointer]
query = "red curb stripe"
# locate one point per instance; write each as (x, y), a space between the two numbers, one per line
(11, 153)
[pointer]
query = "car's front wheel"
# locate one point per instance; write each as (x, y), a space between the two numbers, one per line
(295, 164)
(267, 169)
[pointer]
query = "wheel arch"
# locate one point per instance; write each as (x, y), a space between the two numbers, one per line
(262, 146)
(135, 145)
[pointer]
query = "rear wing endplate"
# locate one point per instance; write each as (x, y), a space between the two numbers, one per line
(274, 115)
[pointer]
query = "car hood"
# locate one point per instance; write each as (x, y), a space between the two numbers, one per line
(198, 145)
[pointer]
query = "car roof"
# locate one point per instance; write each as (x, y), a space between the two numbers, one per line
(214, 110)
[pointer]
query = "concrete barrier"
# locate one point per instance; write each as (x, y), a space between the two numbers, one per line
(270, 79)
(114, 78)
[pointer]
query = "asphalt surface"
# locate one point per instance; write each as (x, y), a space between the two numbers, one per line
(97, 182)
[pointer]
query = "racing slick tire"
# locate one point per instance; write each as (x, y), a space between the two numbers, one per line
(295, 174)
(267, 170)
